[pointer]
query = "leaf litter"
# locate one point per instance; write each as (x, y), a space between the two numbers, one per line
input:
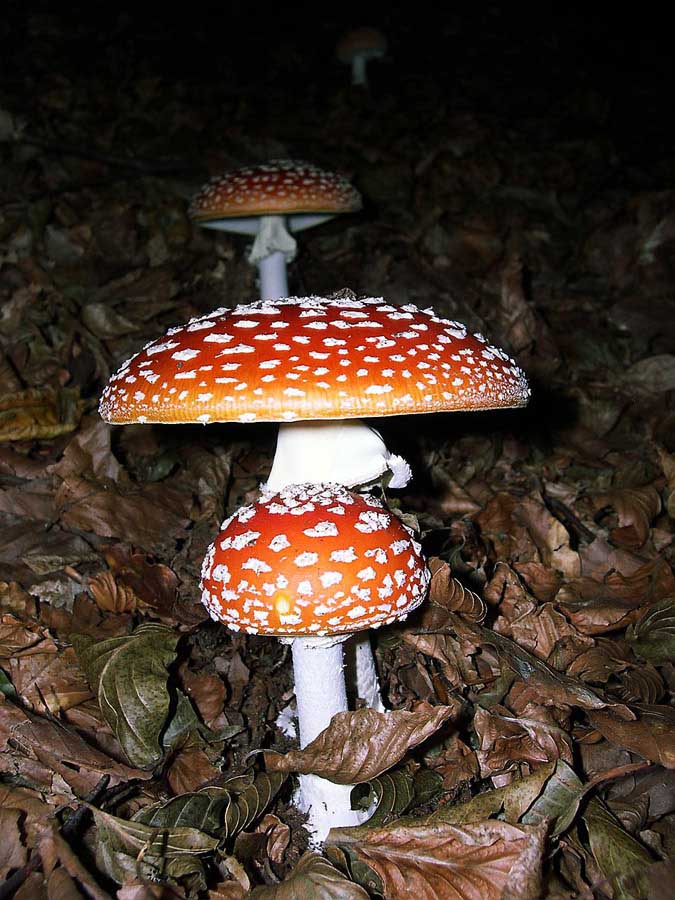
(531, 743)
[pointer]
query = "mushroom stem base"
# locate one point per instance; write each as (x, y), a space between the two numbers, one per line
(320, 693)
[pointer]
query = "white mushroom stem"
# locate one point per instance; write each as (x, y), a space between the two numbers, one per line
(367, 682)
(359, 76)
(320, 693)
(272, 249)
(342, 451)
(273, 278)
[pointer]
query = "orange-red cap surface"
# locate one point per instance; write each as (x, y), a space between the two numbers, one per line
(315, 560)
(281, 187)
(312, 358)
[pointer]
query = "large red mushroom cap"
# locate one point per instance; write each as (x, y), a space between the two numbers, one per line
(313, 559)
(278, 187)
(308, 358)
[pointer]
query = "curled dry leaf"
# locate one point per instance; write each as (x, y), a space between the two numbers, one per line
(651, 735)
(129, 675)
(111, 596)
(506, 741)
(359, 746)
(635, 509)
(13, 852)
(652, 636)
(475, 862)
(449, 593)
(312, 877)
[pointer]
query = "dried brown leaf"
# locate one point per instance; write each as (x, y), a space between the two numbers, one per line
(56, 749)
(13, 852)
(312, 877)
(447, 592)
(506, 741)
(39, 413)
(635, 509)
(359, 746)
(651, 735)
(484, 861)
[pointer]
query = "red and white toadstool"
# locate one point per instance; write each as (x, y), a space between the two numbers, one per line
(316, 365)
(269, 200)
(312, 564)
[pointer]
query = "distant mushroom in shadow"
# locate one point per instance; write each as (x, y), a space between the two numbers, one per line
(269, 201)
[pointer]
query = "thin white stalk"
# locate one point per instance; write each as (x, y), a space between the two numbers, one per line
(273, 277)
(367, 680)
(320, 693)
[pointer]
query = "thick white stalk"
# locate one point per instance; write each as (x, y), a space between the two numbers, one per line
(273, 278)
(320, 693)
(342, 451)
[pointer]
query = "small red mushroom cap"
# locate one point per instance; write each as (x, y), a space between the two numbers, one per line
(278, 187)
(313, 559)
(312, 358)
(368, 41)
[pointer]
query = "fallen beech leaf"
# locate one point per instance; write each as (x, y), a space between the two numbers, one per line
(312, 877)
(552, 687)
(447, 592)
(136, 837)
(635, 509)
(129, 675)
(13, 852)
(55, 849)
(219, 811)
(392, 793)
(58, 749)
(359, 746)
(39, 413)
(622, 859)
(652, 636)
(505, 740)
(475, 862)
(651, 375)
(558, 803)
(651, 735)
(513, 799)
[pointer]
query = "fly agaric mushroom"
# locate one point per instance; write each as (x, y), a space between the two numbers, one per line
(267, 200)
(357, 48)
(312, 564)
(316, 365)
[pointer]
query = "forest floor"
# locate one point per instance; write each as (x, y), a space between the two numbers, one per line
(539, 217)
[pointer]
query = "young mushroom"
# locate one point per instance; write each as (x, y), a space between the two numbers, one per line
(312, 564)
(317, 366)
(269, 200)
(357, 48)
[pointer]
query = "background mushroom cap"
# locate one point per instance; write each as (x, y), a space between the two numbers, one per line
(307, 358)
(277, 187)
(313, 559)
(361, 40)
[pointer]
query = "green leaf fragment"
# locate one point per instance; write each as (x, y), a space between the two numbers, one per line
(129, 675)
